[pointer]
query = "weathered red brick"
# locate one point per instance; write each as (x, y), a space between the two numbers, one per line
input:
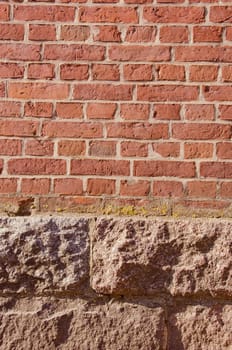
(110, 14)
(201, 131)
(74, 71)
(71, 148)
(36, 91)
(134, 188)
(174, 14)
(11, 32)
(68, 186)
(72, 129)
(164, 168)
(96, 187)
(36, 166)
(140, 131)
(100, 167)
(44, 13)
(35, 186)
(134, 111)
(101, 110)
(134, 149)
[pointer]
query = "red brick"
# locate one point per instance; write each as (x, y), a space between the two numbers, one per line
(72, 129)
(101, 110)
(167, 189)
(105, 72)
(109, 14)
(71, 148)
(18, 128)
(39, 148)
(1, 165)
(4, 12)
(10, 109)
(141, 34)
(229, 33)
(68, 186)
(134, 188)
(20, 52)
(11, 31)
(135, 111)
(35, 186)
(96, 187)
(74, 52)
(74, 33)
(198, 150)
(201, 189)
(174, 34)
(38, 109)
(167, 111)
(139, 72)
(224, 150)
(11, 70)
(167, 149)
(2, 89)
(42, 32)
(138, 2)
(103, 92)
(203, 73)
(227, 73)
(74, 71)
(10, 147)
(226, 190)
(36, 166)
(107, 34)
(41, 71)
(204, 204)
(167, 93)
(69, 110)
(102, 148)
(170, 72)
(207, 34)
(134, 149)
(174, 14)
(8, 186)
(225, 112)
(220, 14)
(164, 168)
(139, 131)
(138, 53)
(44, 13)
(199, 112)
(201, 131)
(217, 93)
(38, 91)
(100, 167)
(221, 170)
(203, 53)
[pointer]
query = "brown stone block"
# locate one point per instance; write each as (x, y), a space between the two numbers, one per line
(41, 323)
(174, 257)
(43, 255)
(201, 327)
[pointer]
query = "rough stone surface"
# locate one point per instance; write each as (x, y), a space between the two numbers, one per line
(176, 257)
(201, 327)
(43, 255)
(53, 324)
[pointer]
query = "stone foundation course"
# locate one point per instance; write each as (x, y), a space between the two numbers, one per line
(113, 283)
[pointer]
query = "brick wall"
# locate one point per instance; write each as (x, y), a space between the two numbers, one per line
(112, 104)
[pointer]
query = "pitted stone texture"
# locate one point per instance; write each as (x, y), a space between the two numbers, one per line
(80, 325)
(43, 255)
(149, 257)
(201, 327)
